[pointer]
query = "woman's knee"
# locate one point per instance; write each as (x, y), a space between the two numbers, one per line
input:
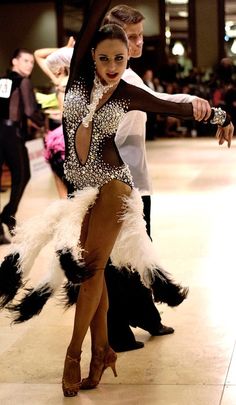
(95, 282)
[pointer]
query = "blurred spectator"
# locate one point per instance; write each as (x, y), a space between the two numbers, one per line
(17, 105)
(158, 86)
(151, 123)
(230, 102)
(172, 123)
(225, 71)
(171, 70)
(149, 79)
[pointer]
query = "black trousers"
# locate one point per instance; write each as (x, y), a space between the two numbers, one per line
(147, 212)
(13, 152)
(130, 302)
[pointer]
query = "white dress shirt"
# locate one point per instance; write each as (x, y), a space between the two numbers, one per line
(131, 135)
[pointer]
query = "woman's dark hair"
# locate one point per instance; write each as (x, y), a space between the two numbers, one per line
(110, 31)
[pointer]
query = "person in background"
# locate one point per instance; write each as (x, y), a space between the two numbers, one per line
(151, 123)
(17, 105)
(47, 59)
(148, 79)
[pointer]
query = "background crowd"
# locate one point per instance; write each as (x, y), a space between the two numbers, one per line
(217, 85)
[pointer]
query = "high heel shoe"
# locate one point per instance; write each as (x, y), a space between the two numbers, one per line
(71, 369)
(100, 361)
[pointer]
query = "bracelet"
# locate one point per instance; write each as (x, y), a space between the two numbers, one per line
(219, 116)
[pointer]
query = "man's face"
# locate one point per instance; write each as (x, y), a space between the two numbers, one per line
(23, 64)
(135, 37)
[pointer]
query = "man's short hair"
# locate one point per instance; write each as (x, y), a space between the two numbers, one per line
(123, 15)
(18, 51)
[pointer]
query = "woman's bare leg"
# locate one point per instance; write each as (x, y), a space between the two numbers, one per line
(99, 232)
(98, 326)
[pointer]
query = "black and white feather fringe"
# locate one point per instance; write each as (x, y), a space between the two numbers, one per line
(70, 294)
(31, 304)
(61, 224)
(165, 290)
(75, 271)
(10, 279)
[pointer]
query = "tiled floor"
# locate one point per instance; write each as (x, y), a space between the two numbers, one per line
(193, 226)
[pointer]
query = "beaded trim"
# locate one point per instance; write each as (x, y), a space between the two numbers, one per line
(98, 92)
(219, 116)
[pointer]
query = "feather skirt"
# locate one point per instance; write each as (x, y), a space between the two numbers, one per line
(61, 225)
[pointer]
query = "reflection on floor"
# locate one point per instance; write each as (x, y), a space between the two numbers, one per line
(193, 226)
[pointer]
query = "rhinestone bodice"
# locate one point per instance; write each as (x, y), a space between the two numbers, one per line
(95, 172)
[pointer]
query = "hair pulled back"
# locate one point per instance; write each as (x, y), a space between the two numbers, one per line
(110, 31)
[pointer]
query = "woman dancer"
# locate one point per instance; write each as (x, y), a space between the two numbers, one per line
(108, 221)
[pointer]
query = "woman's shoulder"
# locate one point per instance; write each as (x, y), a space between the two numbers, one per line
(129, 88)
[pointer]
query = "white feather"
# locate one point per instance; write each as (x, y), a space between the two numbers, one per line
(133, 248)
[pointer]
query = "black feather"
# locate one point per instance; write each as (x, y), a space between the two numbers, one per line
(31, 304)
(10, 278)
(70, 294)
(167, 291)
(74, 271)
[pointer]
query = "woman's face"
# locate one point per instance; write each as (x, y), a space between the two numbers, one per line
(110, 56)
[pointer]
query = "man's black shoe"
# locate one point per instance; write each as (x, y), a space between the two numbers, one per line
(127, 347)
(161, 330)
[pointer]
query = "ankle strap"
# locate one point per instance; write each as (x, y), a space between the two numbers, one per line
(73, 359)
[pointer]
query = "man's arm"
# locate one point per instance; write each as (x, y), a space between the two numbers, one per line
(31, 109)
(201, 107)
(51, 60)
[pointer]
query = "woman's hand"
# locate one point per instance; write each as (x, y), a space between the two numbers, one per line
(70, 43)
(225, 134)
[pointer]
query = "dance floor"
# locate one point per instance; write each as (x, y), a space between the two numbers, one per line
(193, 227)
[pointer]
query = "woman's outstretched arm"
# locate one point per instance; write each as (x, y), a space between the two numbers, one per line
(144, 101)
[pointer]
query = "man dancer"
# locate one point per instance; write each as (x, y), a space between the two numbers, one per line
(17, 103)
(130, 302)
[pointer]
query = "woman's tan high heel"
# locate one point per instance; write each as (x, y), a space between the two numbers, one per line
(100, 361)
(71, 377)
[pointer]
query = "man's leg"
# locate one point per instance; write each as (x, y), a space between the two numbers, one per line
(3, 239)
(121, 337)
(147, 212)
(143, 312)
(131, 303)
(18, 162)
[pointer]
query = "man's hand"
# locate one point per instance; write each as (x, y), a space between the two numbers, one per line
(225, 134)
(201, 109)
